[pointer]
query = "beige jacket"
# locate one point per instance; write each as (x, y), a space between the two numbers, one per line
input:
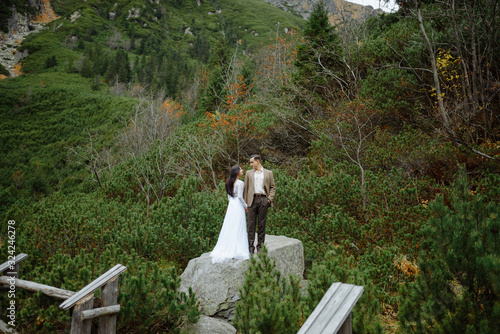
(269, 186)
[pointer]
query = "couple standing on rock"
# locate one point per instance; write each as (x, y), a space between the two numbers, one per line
(254, 196)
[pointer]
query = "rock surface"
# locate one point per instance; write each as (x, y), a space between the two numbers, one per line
(338, 9)
(208, 325)
(217, 285)
(20, 26)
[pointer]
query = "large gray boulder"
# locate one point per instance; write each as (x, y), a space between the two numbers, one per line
(217, 285)
(208, 325)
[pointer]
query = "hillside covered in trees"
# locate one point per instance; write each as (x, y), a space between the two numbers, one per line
(383, 136)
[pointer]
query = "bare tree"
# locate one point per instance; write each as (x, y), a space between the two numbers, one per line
(146, 141)
(95, 161)
(353, 126)
(198, 154)
(154, 173)
(189, 96)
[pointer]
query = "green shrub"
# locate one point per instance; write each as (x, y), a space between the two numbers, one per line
(270, 303)
(338, 266)
(457, 290)
(4, 71)
(41, 117)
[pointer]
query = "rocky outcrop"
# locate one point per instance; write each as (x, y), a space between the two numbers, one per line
(133, 13)
(301, 7)
(75, 16)
(19, 26)
(339, 10)
(208, 325)
(217, 285)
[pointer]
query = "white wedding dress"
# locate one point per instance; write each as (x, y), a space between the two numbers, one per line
(233, 240)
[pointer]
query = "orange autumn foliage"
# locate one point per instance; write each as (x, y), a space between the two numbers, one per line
(47, 15)
(17, 69)
(237, 112)
(238, 92)
(172, 109)
(407, 267)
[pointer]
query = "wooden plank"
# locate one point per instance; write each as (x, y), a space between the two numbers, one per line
(334, 310)
(79, 326)
(4, 328)
(109, 296)
(323, 320)
(93, 286)
(18, 258)
(99, 312)
(35, 287)
(337, 320)
(317, 311)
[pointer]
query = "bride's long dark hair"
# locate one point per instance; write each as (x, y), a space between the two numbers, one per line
(233, 175)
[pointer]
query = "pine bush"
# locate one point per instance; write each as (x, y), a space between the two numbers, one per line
(338, 266)
(270, 303)
(457, 290)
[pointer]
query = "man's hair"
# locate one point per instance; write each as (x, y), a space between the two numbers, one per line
(256, 157)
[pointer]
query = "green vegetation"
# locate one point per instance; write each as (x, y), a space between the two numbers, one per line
(264, 285)
(451, 286)
(4, 71)
(385, 148)
(42, 115)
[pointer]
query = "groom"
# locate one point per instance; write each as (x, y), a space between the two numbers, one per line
(259, 195)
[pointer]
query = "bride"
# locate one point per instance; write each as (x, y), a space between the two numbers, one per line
(233, 240)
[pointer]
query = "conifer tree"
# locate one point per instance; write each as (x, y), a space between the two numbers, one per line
(270, 303)
(219, 61)
(85, 68)
(51, 62)
(149, 71)
(221, 54)
(69, 65)
(123, 66)
(319, 58)
(458, 288)
(99, 59)
(112, 71)
(201, 48)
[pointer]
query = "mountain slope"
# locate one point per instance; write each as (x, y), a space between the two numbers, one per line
(339, 10)
(96, 44)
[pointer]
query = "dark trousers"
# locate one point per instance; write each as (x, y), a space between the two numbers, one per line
(258, 210)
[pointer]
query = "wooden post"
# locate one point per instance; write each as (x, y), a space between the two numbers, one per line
(16, 270)
(79, 326)
(109, 297)
(347, 326)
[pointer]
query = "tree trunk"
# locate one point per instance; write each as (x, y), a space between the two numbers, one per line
(437, 86)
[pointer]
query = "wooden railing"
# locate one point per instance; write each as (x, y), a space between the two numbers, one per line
(333, 313)
(82, 301)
